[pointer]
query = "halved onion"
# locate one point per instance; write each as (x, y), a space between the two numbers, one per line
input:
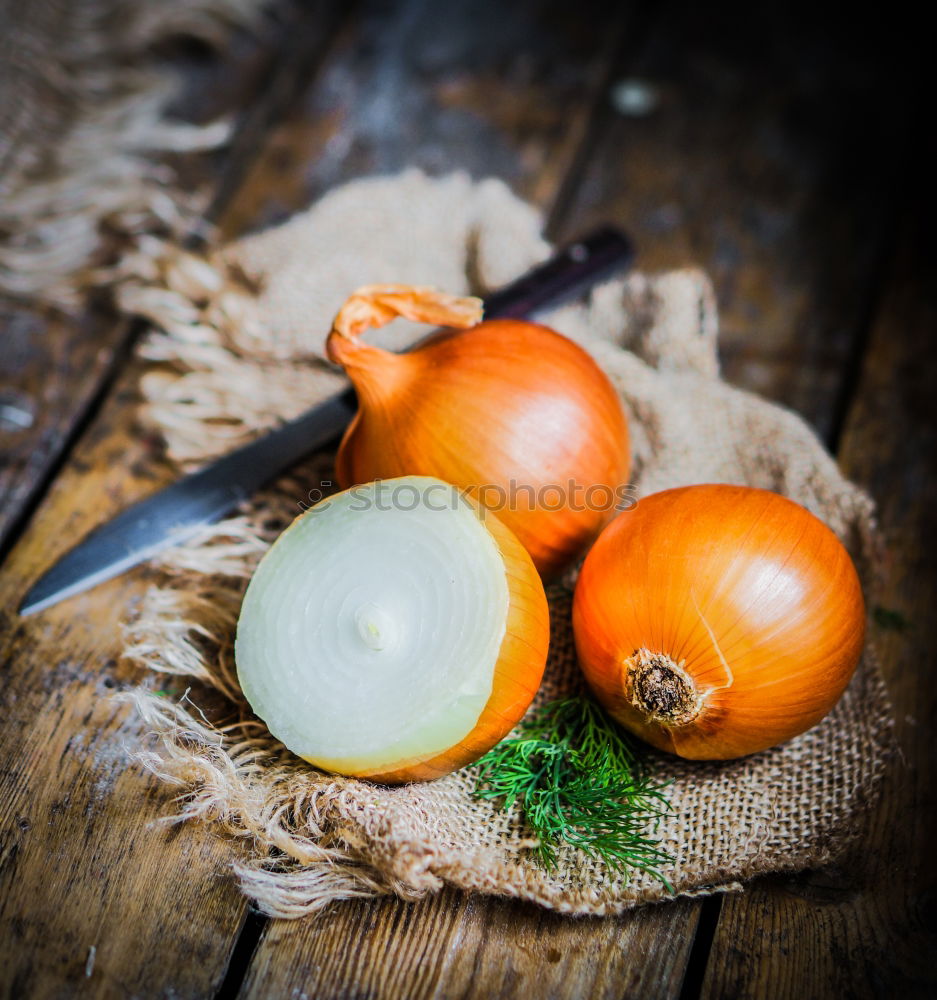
(394, 631)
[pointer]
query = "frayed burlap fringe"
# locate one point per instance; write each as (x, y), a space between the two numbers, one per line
(82, 126)
(237, 354)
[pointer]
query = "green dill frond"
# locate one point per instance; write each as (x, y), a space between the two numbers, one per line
(577, 779)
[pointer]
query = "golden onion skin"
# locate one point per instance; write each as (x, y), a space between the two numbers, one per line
(716, 621)
(508, 407)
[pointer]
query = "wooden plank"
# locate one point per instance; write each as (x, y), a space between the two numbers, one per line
(494, 89)
(457, 945)
(769, 158)
(56, 367)
(53, 366)
(745, 147)
(90, 891)
(867, 928)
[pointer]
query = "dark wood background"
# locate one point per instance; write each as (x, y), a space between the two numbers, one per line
(791, 157)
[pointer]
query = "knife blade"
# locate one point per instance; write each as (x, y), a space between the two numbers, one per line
(173, 514)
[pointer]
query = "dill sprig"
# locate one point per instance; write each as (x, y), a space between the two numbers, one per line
(577, 779)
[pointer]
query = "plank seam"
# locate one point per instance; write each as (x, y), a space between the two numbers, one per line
(698, 959)
(242, 954)
(122, 354)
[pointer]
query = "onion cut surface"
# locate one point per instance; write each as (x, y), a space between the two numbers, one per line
(716, 621)
(393, 631)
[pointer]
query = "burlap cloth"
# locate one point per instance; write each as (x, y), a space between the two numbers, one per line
(238, 348)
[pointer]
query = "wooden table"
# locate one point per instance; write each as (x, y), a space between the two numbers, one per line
(771, 150)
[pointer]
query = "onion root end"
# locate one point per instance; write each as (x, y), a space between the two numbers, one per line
(661, 690)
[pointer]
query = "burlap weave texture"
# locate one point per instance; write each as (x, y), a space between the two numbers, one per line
(236, 356)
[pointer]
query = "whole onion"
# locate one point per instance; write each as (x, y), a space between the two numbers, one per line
(715, 621)
(511, 410)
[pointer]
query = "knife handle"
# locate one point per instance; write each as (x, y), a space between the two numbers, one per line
(567, 273)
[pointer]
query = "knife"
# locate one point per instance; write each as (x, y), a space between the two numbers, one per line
(174, 514)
